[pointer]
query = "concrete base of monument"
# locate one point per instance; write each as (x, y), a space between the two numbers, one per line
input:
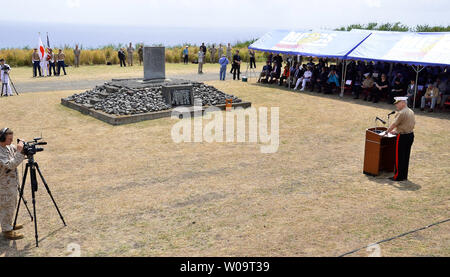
(152, 81)
(127, 119)
(140, 82)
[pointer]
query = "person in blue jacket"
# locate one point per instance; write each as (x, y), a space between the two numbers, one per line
(223, 67)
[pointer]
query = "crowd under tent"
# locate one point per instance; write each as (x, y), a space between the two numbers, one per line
(416, 49)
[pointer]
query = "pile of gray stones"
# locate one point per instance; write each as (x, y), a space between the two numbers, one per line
(127, 98)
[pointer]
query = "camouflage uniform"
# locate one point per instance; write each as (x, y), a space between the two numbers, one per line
(220, 51)
(229, 49)
(9, 160)
(130, 51)
(213, 54)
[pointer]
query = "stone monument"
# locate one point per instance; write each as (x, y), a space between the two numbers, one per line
(154, 63)
(124, 101)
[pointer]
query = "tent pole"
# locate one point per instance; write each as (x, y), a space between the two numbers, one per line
(416, 84)
(344, 74)
(415, 87)
(342, 77)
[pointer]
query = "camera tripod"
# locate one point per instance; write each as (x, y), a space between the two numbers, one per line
(250, 71)
(5, 85)
(32, 166)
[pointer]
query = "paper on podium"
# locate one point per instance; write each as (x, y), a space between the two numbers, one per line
(389, 135)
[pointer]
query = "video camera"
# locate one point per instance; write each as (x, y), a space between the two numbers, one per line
(29, 148)
(5, 68)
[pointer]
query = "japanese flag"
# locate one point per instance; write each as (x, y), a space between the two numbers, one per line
(41, 51)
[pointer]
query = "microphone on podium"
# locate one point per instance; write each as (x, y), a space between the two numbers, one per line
(382, 121)
(391, 113)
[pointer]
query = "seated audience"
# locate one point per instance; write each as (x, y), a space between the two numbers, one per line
(275, 73)
(321, 78)
(285, 75)
(315, 73)
(297, 74)
(397, 76)
(445, 94)
(380, 89)
(431, 95)
(410, 91)
(442, 86)
(265, 72)
(397, 89)
(304, 79)
(368, 78)
(367, 86)
(357, 84)
(332, 81)
(292, 70)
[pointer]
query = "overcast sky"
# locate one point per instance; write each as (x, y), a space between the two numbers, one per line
(270, 14)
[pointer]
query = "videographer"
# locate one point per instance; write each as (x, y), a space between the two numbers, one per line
(4, 76)
(10, 158)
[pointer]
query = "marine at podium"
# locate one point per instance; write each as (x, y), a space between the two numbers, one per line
(403, 127)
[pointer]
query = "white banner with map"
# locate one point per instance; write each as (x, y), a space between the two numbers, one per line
(410, 48)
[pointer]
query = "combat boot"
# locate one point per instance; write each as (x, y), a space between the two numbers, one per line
(12, 235)
(18, 227)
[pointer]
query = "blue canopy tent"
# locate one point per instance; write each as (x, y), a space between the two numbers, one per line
(415, 49)
(329, 44)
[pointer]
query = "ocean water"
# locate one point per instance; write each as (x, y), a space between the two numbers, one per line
(18, 35)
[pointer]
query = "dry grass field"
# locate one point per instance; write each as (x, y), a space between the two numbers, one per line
(131, 191)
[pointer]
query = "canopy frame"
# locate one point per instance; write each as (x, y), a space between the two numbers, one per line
(417, 70)
(345, 64)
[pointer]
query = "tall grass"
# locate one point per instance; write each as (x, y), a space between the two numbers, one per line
(108, 54)
(397, 27)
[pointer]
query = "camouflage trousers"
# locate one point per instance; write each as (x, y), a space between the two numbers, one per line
(130, 59)
(8, 202)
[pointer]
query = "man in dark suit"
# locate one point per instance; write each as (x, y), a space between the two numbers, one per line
(265, 72)
(121, 55)
(236, 68)
(203, 48)
(275, 74)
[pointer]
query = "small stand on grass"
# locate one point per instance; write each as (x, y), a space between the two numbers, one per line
(228, 104)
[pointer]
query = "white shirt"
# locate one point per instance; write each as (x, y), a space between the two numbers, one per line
(307, 74)
(200, 56)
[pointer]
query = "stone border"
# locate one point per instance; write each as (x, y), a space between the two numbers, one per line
(127, 119)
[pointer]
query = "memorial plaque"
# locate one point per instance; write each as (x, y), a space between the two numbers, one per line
(180, 95)
(154, 63)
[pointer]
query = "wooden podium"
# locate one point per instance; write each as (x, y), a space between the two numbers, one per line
(379, 154)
